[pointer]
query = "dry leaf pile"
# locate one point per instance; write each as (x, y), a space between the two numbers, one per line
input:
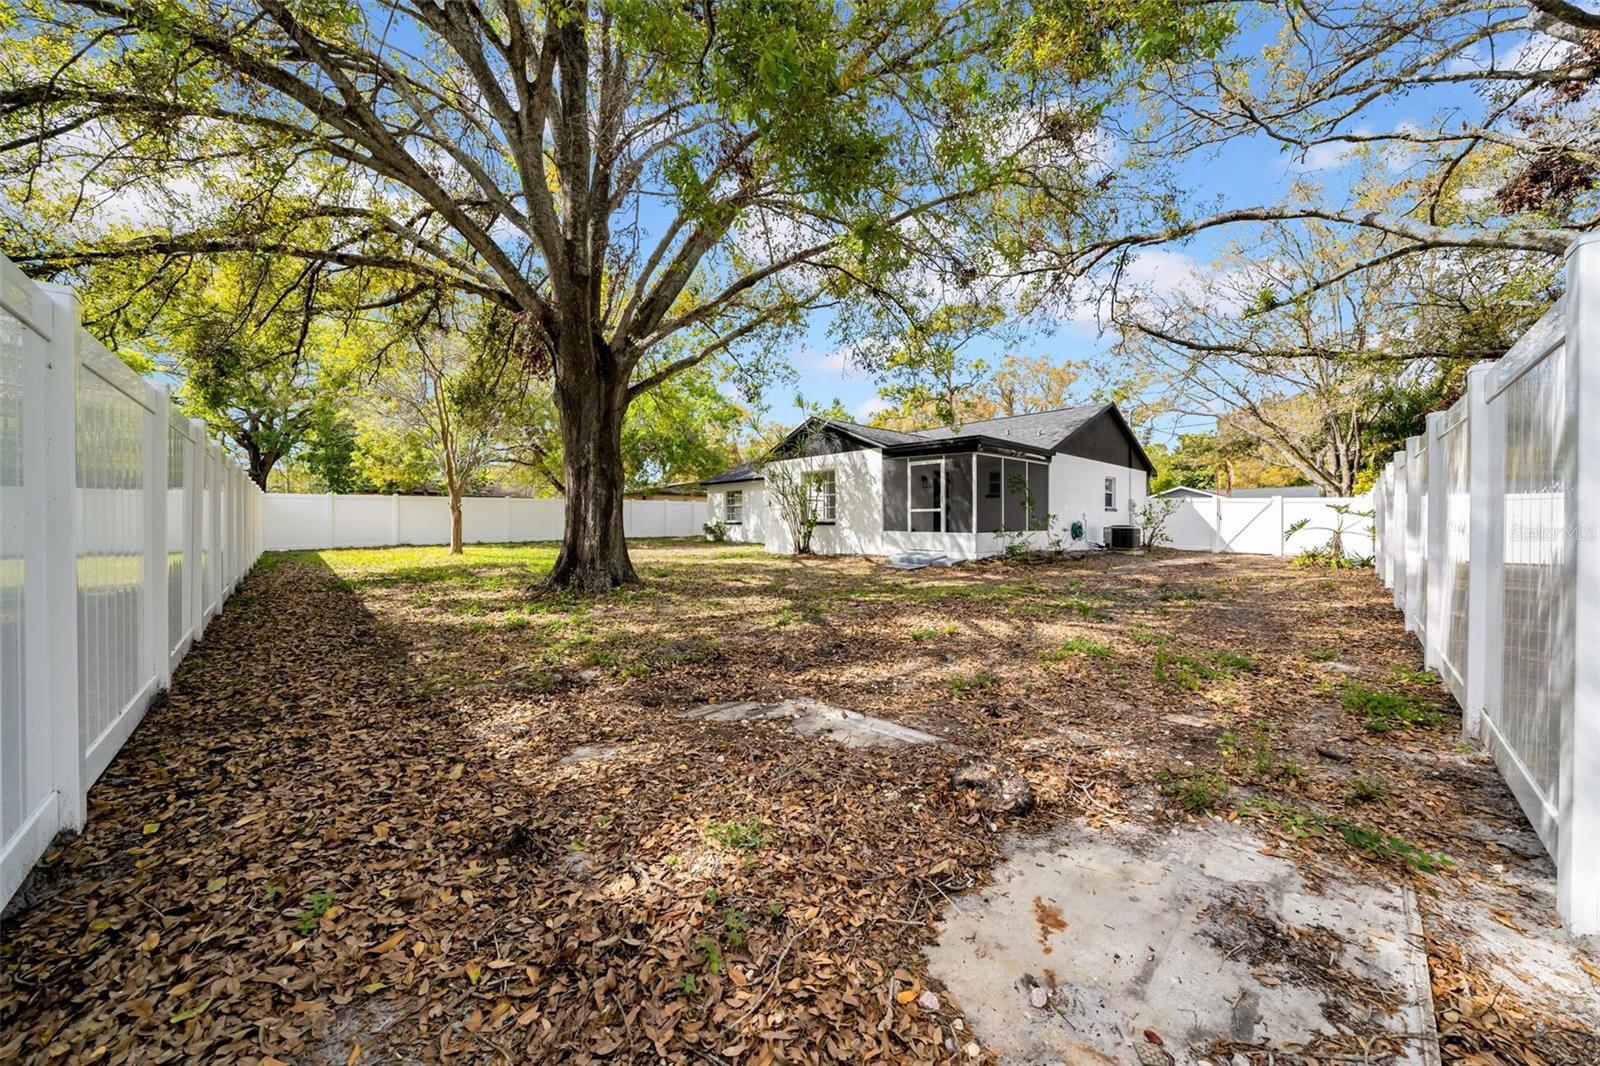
(406, 811)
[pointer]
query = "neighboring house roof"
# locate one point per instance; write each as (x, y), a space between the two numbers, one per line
(1292, 491)
(1040, 433)
(742, 472)
(1187, 490)
(675, 489)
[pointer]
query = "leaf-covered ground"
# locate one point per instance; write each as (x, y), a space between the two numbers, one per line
(395, 808)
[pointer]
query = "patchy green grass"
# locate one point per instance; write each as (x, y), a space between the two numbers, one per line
(741, 834)
(1379, 844)
(1078, 647)
(1196, 791)
(1366, 789)
(1191, 672)
(1382, 711)
(962, 684)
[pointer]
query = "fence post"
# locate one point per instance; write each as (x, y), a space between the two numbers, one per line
(1413, 549)
(155, 532)
(1278, 517)
(332, 524)
(1486, 526)
(214, 505)
(194, 502)
(1400, 565)
(1434, 540)
(58, 412)
(1578, 850)
(394, 519)
(1216, 528)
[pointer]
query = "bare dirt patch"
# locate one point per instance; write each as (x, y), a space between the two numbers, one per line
(370, 829)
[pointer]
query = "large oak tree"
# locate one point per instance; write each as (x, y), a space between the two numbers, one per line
(613, 172)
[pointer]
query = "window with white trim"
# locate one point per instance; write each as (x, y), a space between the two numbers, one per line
(733, 509)
(1111, 494)
(822, 495)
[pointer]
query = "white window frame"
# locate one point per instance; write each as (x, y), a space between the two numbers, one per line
(1111, 494)
(911, 480)
(816, 496)
(733, 507)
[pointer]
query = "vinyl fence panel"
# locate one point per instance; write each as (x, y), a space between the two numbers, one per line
(303, 521)
(1498, 570)
(1266, 525)
(102, 569)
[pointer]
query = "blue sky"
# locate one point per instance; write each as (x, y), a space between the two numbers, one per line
(1245, 172)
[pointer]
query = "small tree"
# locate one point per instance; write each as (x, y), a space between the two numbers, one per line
(439, 394)
(1151, 517)
(1346, 519)
(791, 496)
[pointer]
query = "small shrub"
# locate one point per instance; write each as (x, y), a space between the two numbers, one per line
(710, 953)
(1383, 710)
(745, 834)
(716, 532)
(1073, 647)
(734, 927)
(1196, 791)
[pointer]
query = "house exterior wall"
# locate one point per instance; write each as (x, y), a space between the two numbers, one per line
(1077, 494)
(1075, 488)
(751, 529)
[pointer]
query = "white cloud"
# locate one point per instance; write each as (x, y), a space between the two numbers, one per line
(867, 408)
(839, 361)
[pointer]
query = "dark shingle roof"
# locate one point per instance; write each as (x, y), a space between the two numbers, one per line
(742, 472)
(1042, 429)
(876, 434)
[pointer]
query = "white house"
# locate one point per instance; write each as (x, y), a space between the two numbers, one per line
(964, 492)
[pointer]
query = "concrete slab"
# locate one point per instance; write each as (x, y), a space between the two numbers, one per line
(810, 718)
(595, 753)
(1088, 939)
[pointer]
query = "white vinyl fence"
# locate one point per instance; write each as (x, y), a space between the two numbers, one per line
(301, 521)
(1266, 525)
(122, 530)
(1488, 531)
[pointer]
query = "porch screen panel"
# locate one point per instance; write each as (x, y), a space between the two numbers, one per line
(958, 494)
(991, 493)
(1015, 487)
(1039, 490)
(894, 495)
(927, 496)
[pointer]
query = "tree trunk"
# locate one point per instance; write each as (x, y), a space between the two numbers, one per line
(261, 464)
(455, 520)
(594, 553)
